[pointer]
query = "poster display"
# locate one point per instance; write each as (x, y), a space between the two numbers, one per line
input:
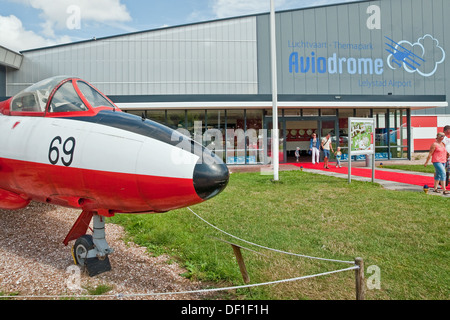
(362, 138)
(361, 141)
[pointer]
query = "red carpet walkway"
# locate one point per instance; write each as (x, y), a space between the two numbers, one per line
(380, 174)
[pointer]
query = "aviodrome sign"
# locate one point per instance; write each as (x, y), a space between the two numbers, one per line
(334, 64)
(423, 57)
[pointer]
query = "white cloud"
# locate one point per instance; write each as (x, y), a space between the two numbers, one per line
(57, 13)
(15, 37)
(59, 17)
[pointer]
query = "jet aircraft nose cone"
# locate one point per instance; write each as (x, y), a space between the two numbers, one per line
(210, 178)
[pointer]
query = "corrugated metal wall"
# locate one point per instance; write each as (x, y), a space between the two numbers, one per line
(341, 31)
(2, 81)
(217, 57)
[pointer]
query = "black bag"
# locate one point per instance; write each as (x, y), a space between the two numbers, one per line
(321, 148)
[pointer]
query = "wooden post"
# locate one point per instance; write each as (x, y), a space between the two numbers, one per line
(240, 260)
(359, 277)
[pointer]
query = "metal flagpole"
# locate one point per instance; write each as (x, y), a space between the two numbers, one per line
(275, 134)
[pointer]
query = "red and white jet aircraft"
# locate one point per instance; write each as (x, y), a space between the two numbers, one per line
(65, 143)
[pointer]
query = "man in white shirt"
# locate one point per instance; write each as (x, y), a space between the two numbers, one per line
(447, 146)
(326, 147)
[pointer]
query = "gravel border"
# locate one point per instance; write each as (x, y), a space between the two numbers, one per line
(34, 261)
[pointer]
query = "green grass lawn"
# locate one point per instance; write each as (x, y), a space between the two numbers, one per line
(404, 234)
(412, 167)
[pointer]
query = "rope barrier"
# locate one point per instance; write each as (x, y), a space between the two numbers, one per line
(180, 292)
(267, 248)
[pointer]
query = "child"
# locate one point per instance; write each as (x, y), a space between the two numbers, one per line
(297, 154)
(338, 155)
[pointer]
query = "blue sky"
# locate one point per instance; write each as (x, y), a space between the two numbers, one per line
(27, 24)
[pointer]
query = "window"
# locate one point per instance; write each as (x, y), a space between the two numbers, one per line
(381, 134)
(34, 98)
(214, 137)
(254, 137)
(27, 102)
(310, 112)
(398, 140)
(196, 124)
(235, 140)
(176, 119)
(292, 112)
(344, 114)
(363, 113)
(93, 96)
(328, 112)
(66, 99)
(157, 116)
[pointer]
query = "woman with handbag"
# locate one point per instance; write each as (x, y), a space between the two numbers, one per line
(314, 146)
(438, 156)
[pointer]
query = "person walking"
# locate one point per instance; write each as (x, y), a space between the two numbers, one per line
(326, 147)
(447, 146)
(314, 145)
(297, 154)
(338, 155)
(438, 156)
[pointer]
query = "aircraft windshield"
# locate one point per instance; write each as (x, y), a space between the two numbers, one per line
(71, 95)
(66, 99)
(93, 96)
(34, 98)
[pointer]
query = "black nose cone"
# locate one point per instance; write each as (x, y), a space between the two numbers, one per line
(210, 178)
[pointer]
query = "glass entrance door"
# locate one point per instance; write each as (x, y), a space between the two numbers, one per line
(298, 135)
(295, 132)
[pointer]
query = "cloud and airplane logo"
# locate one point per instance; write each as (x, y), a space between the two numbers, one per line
(423, 57)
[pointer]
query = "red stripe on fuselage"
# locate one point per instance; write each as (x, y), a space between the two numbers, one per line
(119, 192)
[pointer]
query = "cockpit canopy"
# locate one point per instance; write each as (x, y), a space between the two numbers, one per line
(57, 97)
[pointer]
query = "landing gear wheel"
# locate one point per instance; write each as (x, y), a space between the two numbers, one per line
(91, 251)
(81, 249)
(84, 252)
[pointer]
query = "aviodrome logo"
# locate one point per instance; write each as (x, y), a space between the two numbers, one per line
(422, 57)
